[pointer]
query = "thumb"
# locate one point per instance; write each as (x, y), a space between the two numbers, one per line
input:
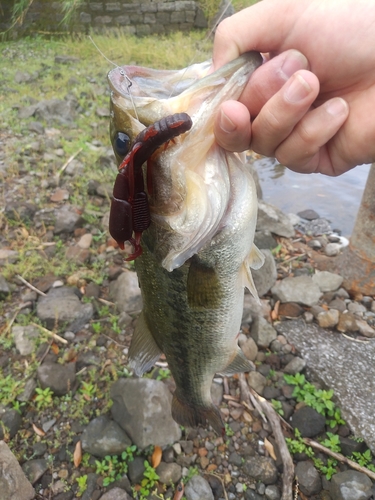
(263, 27)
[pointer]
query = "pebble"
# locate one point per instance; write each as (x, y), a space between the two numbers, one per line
(332, 249)
(328, 319)
(308, 421)
(308, 477)
(197, 488)
(350, 485)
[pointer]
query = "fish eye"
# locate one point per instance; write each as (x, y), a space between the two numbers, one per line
(121, 143)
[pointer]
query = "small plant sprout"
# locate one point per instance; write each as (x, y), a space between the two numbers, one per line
(43, 398)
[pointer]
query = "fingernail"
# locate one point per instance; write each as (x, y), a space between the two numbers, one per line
(336, 106)
(226, 123)
(297, 89)
(294, 61)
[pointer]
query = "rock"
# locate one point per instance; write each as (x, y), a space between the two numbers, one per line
(252, 495)
(294, 366)
(328, 319)
(263, 332)
(85, 241)
(265, 277)
(23, 211)
(126, 293)
(4, 288)
(104, 437)
(77, 254)
(248, 346)
(348, 445)
(326, 281)
(308, 477)
(261, 469)
(365, 329)
(28, 391)
(350, 485)
(347, 322)
(34, 469)
(257, 382)
(142, 407)
(68, 218)
(308, 421)
(116, 494)
(63, 305)
(11, 420)
(217, 393)
(338, 304)
(197, 488)
(332, 249)
(13, 482)
(91, 486)
(169, 472)
(8, 256)
(308, 214)
(59, 378)
(327, 358)
(136, 470)
(290, 310)
(316, 227)
(272, 493)
(300, 289)
(264, 240)
(24, 338)
(272, 219)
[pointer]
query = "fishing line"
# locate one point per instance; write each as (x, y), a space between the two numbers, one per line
(122, 73)
(204, 40)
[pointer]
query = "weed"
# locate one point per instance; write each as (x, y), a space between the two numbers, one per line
(113, 467)
(277, 406)
(149, 481)
(332, 442)
(44, 398)
(364, 459)
(318, 399)
(82, 485)
(10, 389)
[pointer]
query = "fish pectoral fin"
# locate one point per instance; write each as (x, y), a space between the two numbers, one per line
(143, 352)
(203, 286)
(238, 365)
(254, 260)
(192, 416)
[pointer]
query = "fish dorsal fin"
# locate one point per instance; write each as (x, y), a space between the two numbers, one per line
(203, 286)
(143, 352)
(254, 260)
(239, 364)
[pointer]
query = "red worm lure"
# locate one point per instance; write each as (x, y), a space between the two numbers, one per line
(130, 212)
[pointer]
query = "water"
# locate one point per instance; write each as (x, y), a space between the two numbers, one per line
(334, 198)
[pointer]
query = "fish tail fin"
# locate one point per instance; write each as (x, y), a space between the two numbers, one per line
(192, 416)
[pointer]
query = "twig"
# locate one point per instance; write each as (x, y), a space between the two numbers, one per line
(67, 163)
(19, 309)
(51, 334)
(245, 392)
(29, 285)
(288, 473)
(106, 302)
(339, 457)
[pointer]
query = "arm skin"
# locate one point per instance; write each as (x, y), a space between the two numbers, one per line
(312, 103)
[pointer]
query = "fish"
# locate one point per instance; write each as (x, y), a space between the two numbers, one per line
(198, 251)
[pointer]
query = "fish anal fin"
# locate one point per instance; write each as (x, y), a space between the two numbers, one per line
(143, 352)
(192, 416)
(239, 364)
(256, 258)
(203, 286)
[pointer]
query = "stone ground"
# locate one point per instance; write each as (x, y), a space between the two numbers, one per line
(68, 400)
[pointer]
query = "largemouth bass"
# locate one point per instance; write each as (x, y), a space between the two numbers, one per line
(198, 249)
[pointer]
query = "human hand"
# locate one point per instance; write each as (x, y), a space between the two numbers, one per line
(326, 125)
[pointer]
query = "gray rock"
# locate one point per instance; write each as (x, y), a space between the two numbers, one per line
(34, 469)
(348, 446)
(126, 293)
(136, 470)
(308, 214)
(28, 390)
(328, 319)
(116, 494)
(217, 391)
(4, 287)
(274, 220)
(261, 469)
(308, 421)
(263, 332)
(63, 305)
(308, 477)
(342, 365)
(316, 227)
(142, 407)
(265, 277)
(350, 485)
(13, 483)
(338, 304)
(326, 281)
(294, 366)
(59, 378)
(104, 437)
(248, 346)
(169, 472)
(332, 249)
(252, 495)
(264, 240)
(23, 211)
(68, 218)
(24, 338)
(272, 492)
(91, 486)
(257, 382)
(365, 329)
(197, 488)
(300, 289)
(11, 419)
